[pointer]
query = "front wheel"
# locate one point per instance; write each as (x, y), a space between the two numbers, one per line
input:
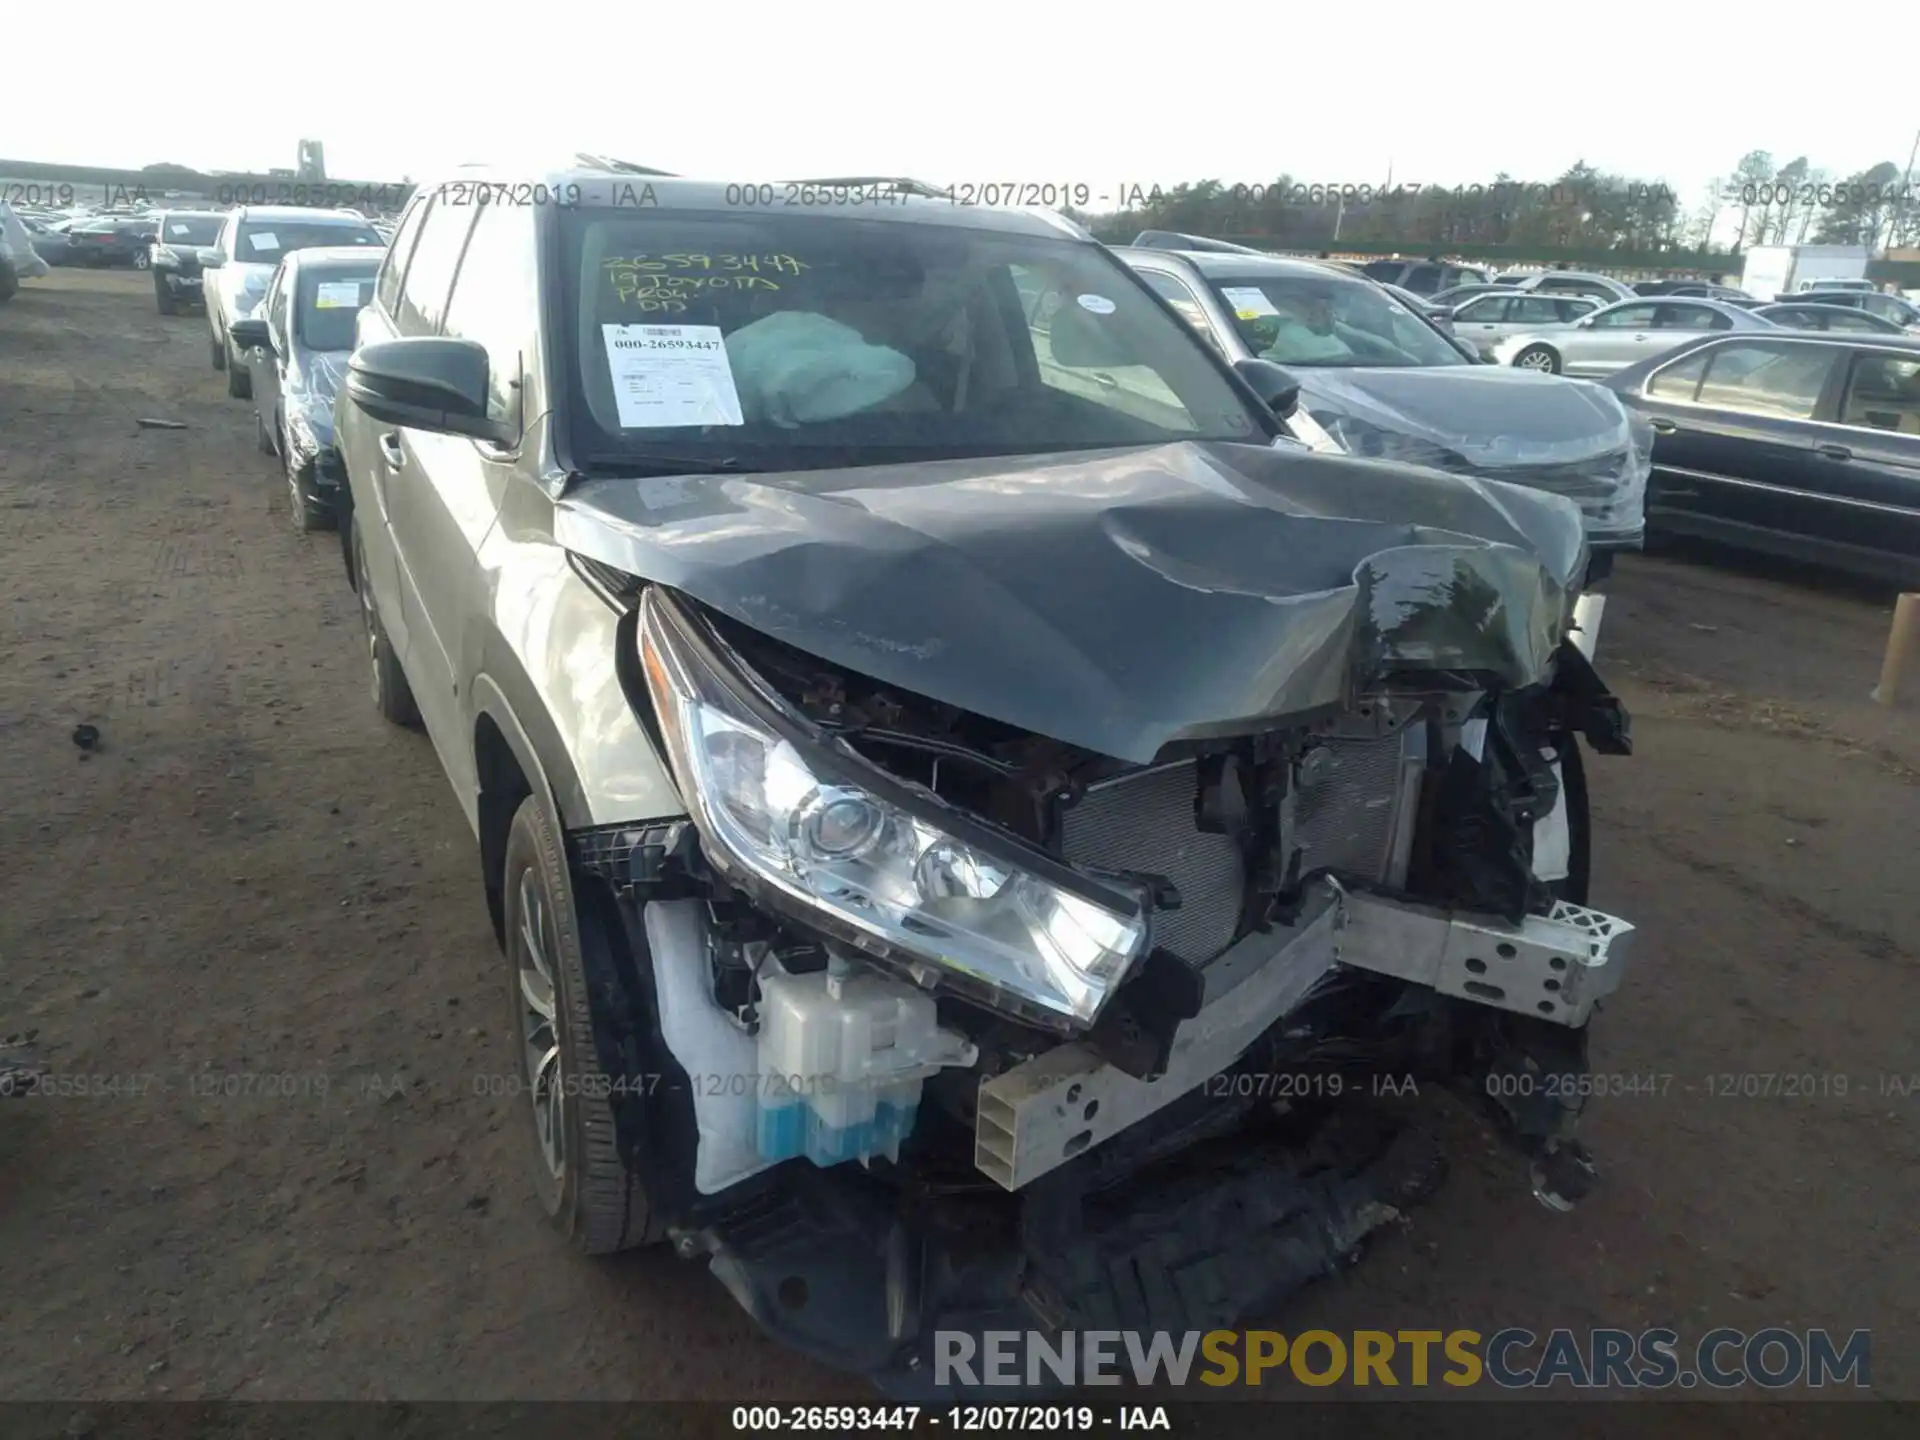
(216, 352)
(142, 260)
(586, 1189)
(163, 300)
(239, 379)
(1542, 358)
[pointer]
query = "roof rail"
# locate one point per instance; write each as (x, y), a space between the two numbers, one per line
(607, 162)
(904, 184)
(1175, 240)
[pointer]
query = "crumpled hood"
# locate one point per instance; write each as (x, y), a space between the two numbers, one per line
(1492, 416)
(1115, 600)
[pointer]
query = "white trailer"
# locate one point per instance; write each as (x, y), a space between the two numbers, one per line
(1777, 271)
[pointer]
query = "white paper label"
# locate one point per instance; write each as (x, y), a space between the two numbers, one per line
(1249, 302)
(338, 295)
(1098, 304)
(666, 375)
(265, 240)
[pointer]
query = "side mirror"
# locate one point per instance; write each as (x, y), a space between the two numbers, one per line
(1273, 383)
(426, 383)
(250, 334)
(211, 259)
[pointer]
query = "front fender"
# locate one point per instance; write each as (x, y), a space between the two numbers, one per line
(546, 672)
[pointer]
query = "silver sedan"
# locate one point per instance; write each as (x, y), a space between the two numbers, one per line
(1621, 335)
(1485, 320)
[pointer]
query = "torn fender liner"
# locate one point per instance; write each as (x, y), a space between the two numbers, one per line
(1119, 599)
(853, 1277)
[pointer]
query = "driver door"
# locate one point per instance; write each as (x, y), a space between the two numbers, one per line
(1610, 341)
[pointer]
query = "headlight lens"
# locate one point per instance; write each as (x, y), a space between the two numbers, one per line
(895, 882)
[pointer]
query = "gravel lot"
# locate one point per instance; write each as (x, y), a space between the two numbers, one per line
(256, 877)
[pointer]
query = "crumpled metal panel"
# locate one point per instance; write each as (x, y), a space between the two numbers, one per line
(1568, 437)
(1118, 599)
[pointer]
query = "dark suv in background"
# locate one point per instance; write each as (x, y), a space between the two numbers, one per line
(174, 255)
(1423, 277)
(111, 240)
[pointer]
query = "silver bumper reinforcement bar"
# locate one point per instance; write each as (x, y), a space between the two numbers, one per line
(1037, 1116)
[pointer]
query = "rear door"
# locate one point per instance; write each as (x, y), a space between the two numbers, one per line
(1481, 321)
(1867, 455)
(1616, 339)
(1734, 437)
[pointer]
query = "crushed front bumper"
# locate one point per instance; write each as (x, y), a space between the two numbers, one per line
(837, 1268)
(1226, 1218)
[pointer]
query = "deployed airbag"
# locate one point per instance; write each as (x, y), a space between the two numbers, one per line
(794, 366)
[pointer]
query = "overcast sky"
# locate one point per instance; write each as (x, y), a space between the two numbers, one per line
(976, 91)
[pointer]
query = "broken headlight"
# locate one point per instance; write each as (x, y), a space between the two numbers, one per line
(861, 854)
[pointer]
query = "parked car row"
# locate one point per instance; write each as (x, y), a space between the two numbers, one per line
(1790, 428)
(1379, 377)
(972, 687)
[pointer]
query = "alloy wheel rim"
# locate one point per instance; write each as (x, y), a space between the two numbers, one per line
(539, 1029)
(1539, 360)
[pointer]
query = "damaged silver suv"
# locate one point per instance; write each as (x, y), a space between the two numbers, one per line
(980, 825)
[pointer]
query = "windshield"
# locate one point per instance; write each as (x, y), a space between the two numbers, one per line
(190, 229)
(1306, 320)
(327, 303)
(263, 242)
(791, 342)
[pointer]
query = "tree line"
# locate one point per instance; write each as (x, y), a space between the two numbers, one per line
(1758, 203)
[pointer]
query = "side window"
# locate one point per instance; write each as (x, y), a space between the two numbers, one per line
(423, 291)
(1779, 380)
(496, 301)
(1883, 393)
(1486, 309)
(1184, 302)
(1422, 279)
(1135, 390)
(1680, 381)
(1847, 320)
(1627, 317)
(386, 290)
(1688, 317)
(1536, 310)
(1570, 308)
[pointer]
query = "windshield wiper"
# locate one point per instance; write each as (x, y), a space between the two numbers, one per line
(640, 464)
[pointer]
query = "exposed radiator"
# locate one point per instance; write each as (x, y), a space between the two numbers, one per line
(1352, 808)
(1354, 802)
(1144, 821)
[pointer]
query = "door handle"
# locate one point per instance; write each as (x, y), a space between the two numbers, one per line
(1105, 381)
(1664, 427)
(1833, 452)
(390, 447)
(1640, 336)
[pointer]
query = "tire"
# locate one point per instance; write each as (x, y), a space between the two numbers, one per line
(261, 435)
(1543, 358)
(239, 380)
(392, 696)
(588, 1193)
(162, 298)
(217, 353)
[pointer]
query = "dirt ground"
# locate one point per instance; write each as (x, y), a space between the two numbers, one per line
(255, 876)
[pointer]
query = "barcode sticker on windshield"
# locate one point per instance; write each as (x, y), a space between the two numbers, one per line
(1249, 302)
(669, 375)
(338, 295)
